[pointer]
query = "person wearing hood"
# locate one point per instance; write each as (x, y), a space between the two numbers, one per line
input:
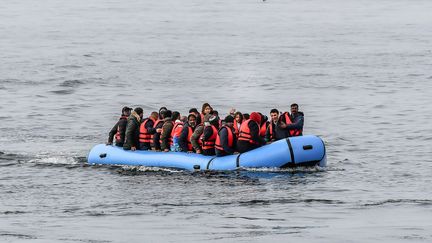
(157, 128)
(208, 137)
(249, 137)
(186, 134)
(195, 139)
(226, 138)
(293, 123)
(132, 130)
(165, 131)
(119, 129)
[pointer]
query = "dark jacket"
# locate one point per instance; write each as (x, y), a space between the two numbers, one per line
(156, 137)
(166, 133)
(297, 122)
(183, 140)
(121, 125)
(196, 137)
(278, 133)
(132, 132)
(223, 135)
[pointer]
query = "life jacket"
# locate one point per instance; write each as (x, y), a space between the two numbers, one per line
(236, 127)
(170, 138)
(245, 133)
(190, 132)
(145, 136)
(175, 131)
(293, 132)
(218, 144)
(210, 143)
(263, 129)
(156, 124)
(117, 136)
(270, 127)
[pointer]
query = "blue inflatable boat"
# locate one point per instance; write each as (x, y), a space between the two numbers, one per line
(291, 152)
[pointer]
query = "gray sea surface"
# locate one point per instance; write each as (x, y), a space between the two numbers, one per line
(359, 69)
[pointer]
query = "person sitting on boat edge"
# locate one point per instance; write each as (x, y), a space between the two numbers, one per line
(155, 139)
(272, 133)
(249, 137)
(186, 133)
(238, 119)
(209, 135)
(226, 138)
(147, 130)
(293, 124)
(119, 129)
(165, 137)
(205, 109)
(132, 129)
(195, 139)
(176, 131)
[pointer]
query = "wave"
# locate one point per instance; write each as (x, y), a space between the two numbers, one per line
(425, 202)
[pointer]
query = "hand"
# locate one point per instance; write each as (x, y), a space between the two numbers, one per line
(236, 152)
(189, 152)
(283, 125)
(198, 151)
(133, 148)
(232, 111)
(159, 130)
(166, 150)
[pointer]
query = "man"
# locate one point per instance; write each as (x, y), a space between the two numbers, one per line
(186, 134)
(249, 137)
(208, 137)
(132, 130)
(147, 130)
(270, 132)
(226, 138)
(155, 139)
(119, 129)
(165, 136)
(293, 124)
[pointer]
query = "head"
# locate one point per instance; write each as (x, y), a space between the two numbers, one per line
(162, 110)
(246, 116)
(255, 116)
(214, 112)
(238, 116)
(214, 120)
(167, 113)
(229, 121)
(154, 115)
(264, 118)
(175, 115)
(294, 108)
(183, 119)
(194, 111)
(139, 111)
(192, 120)
(274, 115)
(126, 111)
(206, 108)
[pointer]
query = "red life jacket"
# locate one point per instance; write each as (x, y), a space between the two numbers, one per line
(156, 124)
(190, 132)
(263, 129)
(218, 144)
(145, 136)
(210, 143)
(236, 128)
(270, 127)
(245, 134)
(176, 131)
(117, 136)
(293, 132)
(170, 141)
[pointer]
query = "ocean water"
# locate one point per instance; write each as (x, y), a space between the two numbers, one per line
(360, 71)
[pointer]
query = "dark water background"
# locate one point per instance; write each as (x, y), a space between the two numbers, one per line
(360, 70)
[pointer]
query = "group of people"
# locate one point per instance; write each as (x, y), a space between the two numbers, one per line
(203, 132)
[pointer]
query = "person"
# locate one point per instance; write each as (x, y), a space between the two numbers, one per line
(165, 136)
(197, 114)
(119, 129)
(263, 125)
(208, 137)
(176, 130)
(147, 130)
(238, 119)
(195, 138)
(249, 137)
(272, 133)
(205, 109)
(132, 129)
(246, 116)
(293, 124)
(157, 128)
(226, 138)
(186, 134)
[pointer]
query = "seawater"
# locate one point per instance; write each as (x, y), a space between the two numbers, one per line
(360, 71)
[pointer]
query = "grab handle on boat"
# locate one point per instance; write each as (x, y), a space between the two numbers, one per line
(102, 155)
(307, 147)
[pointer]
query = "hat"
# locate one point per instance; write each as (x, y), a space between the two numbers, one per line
(214, 119)
(229, 118)
(254, 116)
(126, 109)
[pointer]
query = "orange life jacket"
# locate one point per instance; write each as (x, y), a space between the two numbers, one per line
(245, 134)
(293, 132)
(210, 143)
(270, 127)
(145, 136)
(190, 132)
(236, 128)
(156, 124)
(263, 129)
(117, 136)
(218, 144)
(176, 131)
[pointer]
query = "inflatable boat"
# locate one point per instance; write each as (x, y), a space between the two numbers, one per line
(306, 150)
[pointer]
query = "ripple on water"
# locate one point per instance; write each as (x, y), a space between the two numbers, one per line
(71, 83)
(63, 91)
